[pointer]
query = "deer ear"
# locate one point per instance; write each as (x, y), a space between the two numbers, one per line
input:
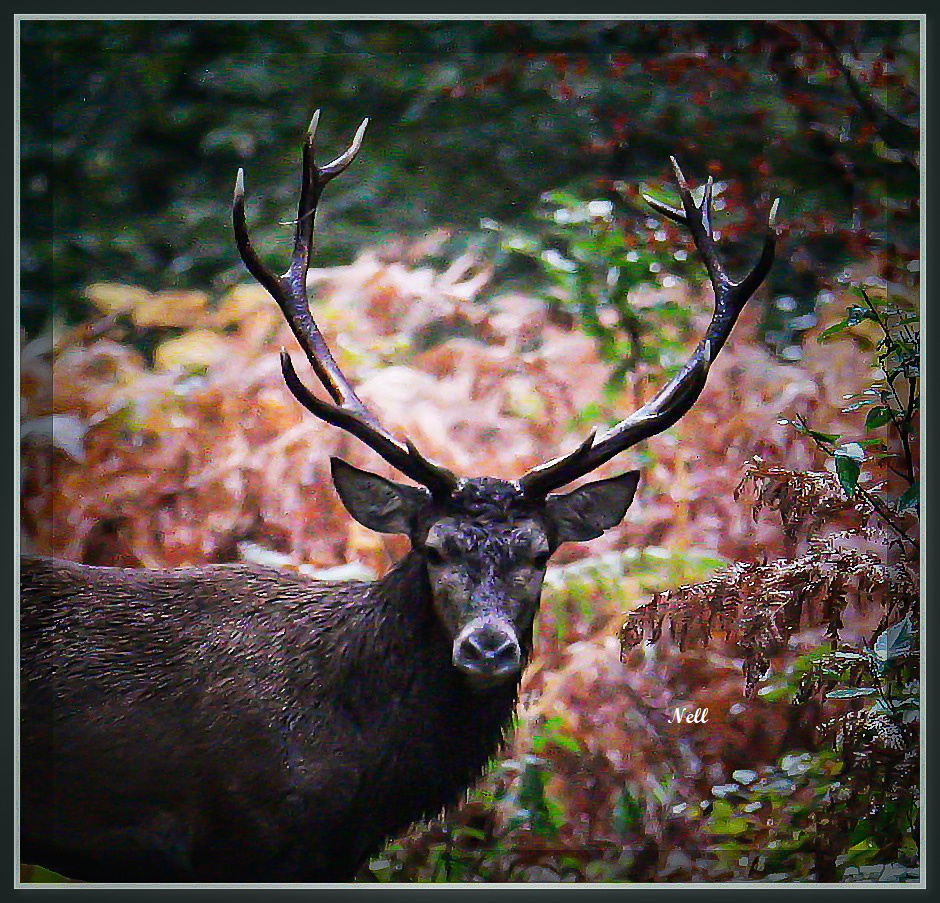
(589, 510)
(375, 502)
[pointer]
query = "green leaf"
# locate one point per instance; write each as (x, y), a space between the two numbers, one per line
(851, 692)
(847, 470)
(851, 450)
(744, 776)
(895, 641)
(721, 810)
(911, 499)
(590, 413)
(628, 812)
(877, 417)
(729, 826)
(553, 732)
(802, 428)
(855, 405)
(857, 314)
(832, 330)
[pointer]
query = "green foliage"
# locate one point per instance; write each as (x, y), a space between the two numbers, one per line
(628, 812)
(133, 132)
(858, 817)
(551, 732)
(577, 598)
(880, 739)
(773, 818)
(854, 802)
(472, 849)
(848, 807)
(529, 804)
(587, 265)
(892, 401)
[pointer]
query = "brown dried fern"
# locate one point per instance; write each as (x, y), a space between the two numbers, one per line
(805, 501)
(759, 606)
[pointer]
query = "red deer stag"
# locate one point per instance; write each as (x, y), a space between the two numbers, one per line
(237, 723)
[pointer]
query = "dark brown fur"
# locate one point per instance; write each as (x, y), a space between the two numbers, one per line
(237, 723)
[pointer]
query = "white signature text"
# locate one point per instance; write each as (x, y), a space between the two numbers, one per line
(685, 715)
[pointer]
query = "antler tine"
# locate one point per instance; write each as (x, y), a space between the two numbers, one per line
(674, 399)
(290, 292)
(405, 458)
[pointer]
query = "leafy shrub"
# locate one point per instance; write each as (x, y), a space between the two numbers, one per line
(848, 808)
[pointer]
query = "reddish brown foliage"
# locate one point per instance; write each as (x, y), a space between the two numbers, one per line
(204, 457)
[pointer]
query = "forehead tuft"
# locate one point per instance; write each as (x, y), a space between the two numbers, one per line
(488, 499)
(489, 517)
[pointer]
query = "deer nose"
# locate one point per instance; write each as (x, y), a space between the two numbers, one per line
(488, 651)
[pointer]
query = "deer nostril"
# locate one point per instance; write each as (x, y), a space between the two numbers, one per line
(488, 650)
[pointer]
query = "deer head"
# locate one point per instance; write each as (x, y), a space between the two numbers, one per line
(485, 542)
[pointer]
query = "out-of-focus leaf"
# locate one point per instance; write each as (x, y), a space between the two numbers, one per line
(193, 350)
(851, 450)
(744, 776)
(627, 812)
(252, 552)
(241, 302)
(802, 428)
(857, 314)
(910, 500)
(64, 431)
(184, 309)
(112, 297)
(352, 571)
(835, 329)
(730, 826)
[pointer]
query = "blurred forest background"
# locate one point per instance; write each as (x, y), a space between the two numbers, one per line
(489, 275)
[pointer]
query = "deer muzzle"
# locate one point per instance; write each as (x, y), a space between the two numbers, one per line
(487, 651)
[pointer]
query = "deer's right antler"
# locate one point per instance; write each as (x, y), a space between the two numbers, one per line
(675, 398)
(290, 291)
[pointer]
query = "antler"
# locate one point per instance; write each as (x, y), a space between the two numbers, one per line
(290, 292)
(681, 392)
